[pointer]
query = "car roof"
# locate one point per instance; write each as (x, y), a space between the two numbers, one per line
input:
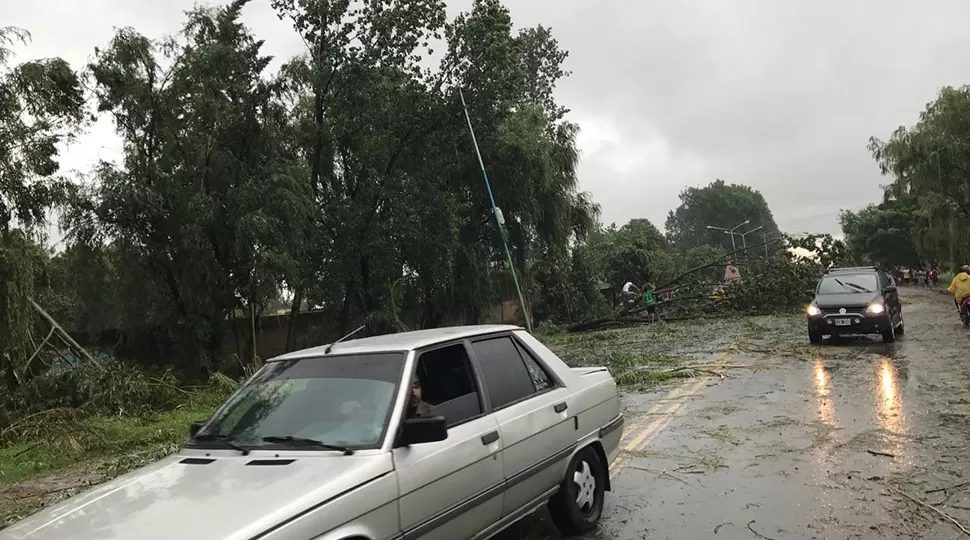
(402, 341)
(856, 269)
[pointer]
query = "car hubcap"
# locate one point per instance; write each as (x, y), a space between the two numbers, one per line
(586, 482)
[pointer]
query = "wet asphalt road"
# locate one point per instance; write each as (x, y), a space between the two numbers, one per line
(820, 442)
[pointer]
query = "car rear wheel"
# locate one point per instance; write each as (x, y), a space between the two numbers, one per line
(577, 507)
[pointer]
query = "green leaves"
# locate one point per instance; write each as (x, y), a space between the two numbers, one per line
(41, 105)
(929, 163)
(883, 234)
(717, 205)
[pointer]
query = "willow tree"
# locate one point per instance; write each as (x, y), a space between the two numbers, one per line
(41, 107)
(930, 161)
(206, 196)
(508, 79)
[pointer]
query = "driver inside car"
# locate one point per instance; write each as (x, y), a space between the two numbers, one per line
(417, 406)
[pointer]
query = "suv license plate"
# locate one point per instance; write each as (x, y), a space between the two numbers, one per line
(843, 322)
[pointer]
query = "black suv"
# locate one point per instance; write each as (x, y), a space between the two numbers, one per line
(861, 300)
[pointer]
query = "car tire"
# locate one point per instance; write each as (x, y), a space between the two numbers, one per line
(814, 337)
(577, 506)
(889, 334)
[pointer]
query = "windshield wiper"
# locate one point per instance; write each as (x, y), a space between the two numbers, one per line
(224, 439)
(859, 287)
(289, 440)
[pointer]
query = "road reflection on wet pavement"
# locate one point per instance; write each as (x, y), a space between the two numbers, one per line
(825, 442)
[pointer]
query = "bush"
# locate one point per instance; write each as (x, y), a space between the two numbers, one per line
(108, 388)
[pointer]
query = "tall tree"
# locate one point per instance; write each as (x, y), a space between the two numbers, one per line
(529, 151)
(363, 105)
(883, 234)
(929, 162)
(206, 198)
(41, 106)
(721, 205)
(933, 156)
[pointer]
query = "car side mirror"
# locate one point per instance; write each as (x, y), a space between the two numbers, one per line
(422, 430)
(810, 294)
(889, 289)
(194, 427)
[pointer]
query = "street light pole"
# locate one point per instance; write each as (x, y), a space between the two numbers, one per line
(744, 241)
(734, 246)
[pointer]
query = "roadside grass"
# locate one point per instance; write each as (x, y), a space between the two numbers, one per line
(93, 439)
(91, 450)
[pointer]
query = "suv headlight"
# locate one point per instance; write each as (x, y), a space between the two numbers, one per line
(875, 308)
(813, 311)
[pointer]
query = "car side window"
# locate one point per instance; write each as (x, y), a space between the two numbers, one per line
(447, 384)
(540, 377)
(506, 378)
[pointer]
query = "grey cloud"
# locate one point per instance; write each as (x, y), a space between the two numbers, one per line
(782, 96)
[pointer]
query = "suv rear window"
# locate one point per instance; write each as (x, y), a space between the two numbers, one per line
(848, 284)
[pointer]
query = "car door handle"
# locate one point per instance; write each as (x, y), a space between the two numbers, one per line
(560, 407)
(489, 438)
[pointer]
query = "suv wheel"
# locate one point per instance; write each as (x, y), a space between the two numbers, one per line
(814, 336)
(577, 507)
(889, 334)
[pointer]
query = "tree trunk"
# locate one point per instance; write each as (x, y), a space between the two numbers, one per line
(344, 318)
(294, 313)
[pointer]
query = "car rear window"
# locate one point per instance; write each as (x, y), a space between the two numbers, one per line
(848, 284)
(506, 378)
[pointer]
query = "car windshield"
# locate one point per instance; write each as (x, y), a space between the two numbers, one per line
(341, 401)
(848, 284)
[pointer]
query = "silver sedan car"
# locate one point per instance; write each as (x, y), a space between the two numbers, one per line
(445, 434)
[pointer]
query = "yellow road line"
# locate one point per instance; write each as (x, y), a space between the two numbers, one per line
(644, 436)
(631, 428)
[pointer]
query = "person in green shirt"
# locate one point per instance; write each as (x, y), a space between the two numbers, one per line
(650, 302)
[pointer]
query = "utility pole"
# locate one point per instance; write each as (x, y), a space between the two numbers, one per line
(498, 216)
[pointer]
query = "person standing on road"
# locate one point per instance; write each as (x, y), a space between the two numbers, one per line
(650, 302)
(960, 286)
(906, 275)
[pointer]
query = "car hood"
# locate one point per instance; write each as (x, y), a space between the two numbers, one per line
(848, 299)
(226, 499)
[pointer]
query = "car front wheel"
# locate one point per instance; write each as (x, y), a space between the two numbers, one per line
(889, 334)
(577, 507)
(814, 336)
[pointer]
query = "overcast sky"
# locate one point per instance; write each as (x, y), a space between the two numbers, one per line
(779, 95)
